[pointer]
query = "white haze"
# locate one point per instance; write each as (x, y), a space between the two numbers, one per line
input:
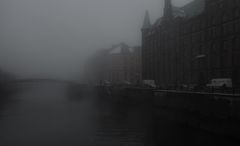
(52, 38)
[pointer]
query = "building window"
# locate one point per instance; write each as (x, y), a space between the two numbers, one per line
(227, 53)
(236, 59)
(237, 2)
(215, 55)
(225, 29)
(227, 45)
(236, 43)
(237, 26)
(209, 21)
(214, 20)
(214, 32)
(231, 15)
(202, 23)
(224, 17)
(209, 33)
(199, 37)
(237, 12)
(220, 5)
(228, 28)
(202, 36)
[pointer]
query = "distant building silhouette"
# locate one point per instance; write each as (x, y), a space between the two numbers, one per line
(119, 64)
(193, 44)
(5, 79)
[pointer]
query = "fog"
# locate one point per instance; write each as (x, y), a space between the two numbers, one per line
(54, 37)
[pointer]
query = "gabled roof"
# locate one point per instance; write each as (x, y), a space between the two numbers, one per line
(194, 8)
(119, 49)
(178, 12)
(122, 48)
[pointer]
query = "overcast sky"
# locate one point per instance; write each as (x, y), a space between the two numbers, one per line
(54, 37)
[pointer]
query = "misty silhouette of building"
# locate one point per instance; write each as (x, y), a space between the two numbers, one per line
(118, 64)
(5, 78)
(193, 44)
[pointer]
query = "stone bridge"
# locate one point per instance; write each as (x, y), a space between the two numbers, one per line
(42, 80)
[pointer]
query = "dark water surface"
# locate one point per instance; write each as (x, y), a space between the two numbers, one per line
(44, 115)
(47, 115)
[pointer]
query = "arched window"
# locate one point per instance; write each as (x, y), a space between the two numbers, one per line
(237, 2)
(225, 17)
(237, 12)
(237, 26)
(236, 44)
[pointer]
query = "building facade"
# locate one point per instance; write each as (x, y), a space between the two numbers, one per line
(119, 64)
(193, 44)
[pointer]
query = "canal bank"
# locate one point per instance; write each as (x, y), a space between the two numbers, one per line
(204, 118)
(217, 113)
(47, 114)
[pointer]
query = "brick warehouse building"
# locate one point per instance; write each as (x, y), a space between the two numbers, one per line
(193, 44)
(118, 64)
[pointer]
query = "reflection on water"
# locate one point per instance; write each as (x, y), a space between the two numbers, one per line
(46, 114)
(53, 115)
(121, 125)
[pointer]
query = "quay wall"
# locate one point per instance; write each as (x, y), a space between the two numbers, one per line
(213, 112)
(218, 113)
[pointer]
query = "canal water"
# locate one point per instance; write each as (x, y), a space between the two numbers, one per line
(47, 115)
(42, 114)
